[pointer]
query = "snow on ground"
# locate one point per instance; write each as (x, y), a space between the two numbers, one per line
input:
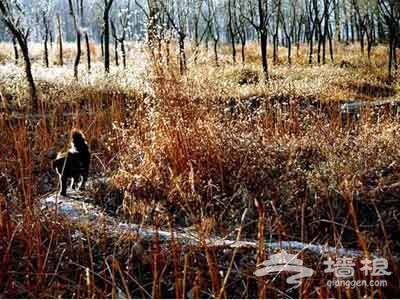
(130, 77)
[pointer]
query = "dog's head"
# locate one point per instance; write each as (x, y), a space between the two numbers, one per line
(78, 137)
(78, 141)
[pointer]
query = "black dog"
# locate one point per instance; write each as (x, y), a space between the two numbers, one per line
(74, 163)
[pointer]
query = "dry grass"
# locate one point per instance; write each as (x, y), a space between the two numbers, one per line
(203, 148)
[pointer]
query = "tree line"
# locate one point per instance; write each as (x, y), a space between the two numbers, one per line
(318, 24)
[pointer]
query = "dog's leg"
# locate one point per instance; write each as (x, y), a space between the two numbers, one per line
(85, 176)
(76, 179)
(63, 182)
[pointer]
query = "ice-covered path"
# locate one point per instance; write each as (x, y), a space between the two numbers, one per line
(79, 209)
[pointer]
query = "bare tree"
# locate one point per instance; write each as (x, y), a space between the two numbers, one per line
(15, 47)
(360, 24)
(321, 12)
(88, 54)
(44, 9)
(8, 12)
(310, 29)
(289, 20)
(123, 24)
(45, 38)
(212, 26)
(106, 24)
(152, 13)
(277, 13)
(390, 11)
(328, 9)
(114, 34)
(232, 28)
(241, 26)
(78, 38)
(365, 17)
(60, 41)
(198, 35)
(261, 26)
(319, 17)
(336, 10)
(177, 15)
(85, 31)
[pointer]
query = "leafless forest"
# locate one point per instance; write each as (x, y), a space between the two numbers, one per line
(221, 133)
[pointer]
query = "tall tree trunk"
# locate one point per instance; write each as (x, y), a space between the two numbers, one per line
(326, 30)
(324, 49)
(381, 31)
(262, 31)
(308, 36)
(336, 9)
(23, 44)
(264, 59)
(46, 39)
(288, 36)
(233, 48)
(298, 38)
(231, 32)
(46, 51)
(106, 44)
(330, 44)
(51, 38)
(352, 29)
(182, 55)
(29, 76)
(347, 31)
(116, 52)
(167, 58)
(88, 55)
(216, 51)
(372, 30)
(106, 21)
(60, 41)
(370, 38)
(123, 51)
(320, 40)
(395, 41)
(102, 43)
(324, 41)
(275, 37)
(78, 53)
(243, 46)
(390, 56)
(275, 49)
(310, 57)
(78, 39)
(369, 48)
(361, 38)
(16, 54)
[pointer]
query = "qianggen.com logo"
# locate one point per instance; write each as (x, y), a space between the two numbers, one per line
(342, 269)
(355, 283)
